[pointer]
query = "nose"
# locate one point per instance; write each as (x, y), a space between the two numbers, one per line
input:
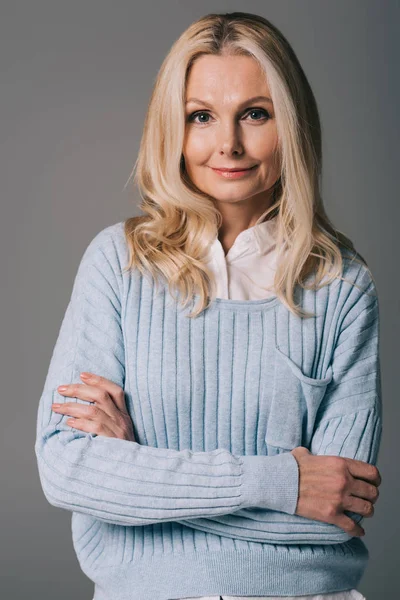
(229, 139)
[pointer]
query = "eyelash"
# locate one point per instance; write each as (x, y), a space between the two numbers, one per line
(201, 112)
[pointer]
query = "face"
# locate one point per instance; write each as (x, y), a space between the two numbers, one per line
(226, 129)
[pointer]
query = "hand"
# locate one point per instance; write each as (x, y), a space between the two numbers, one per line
(108, 415)
(331, 484)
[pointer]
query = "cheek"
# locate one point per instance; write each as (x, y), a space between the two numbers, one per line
(261, 140)
(264, 145)
(268, 155)
(197, 147)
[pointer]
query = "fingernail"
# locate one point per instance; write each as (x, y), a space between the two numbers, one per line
(85, 375)
(62, 388)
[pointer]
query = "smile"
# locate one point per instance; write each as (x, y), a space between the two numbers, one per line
(234, 174)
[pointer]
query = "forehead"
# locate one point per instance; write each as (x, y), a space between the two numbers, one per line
(211, 77)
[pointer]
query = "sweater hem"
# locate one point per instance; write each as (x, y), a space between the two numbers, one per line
(268, 572)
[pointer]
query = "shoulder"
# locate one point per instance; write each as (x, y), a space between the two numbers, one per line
(354, 285)
(103, 260)
(112, 235)
(108, 248)
(358, 283)
(116, 235)
(355, 293)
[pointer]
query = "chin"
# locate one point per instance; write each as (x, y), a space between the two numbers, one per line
(231, 198)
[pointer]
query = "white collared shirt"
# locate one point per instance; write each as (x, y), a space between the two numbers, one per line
(247, 271)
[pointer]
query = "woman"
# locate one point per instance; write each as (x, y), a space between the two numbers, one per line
(230, 452)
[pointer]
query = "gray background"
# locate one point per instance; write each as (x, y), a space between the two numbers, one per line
(75, 82)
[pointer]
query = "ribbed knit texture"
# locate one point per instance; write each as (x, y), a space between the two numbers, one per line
(204, 501)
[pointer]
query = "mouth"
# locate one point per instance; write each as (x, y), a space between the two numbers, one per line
(234, 170)
(234, 173)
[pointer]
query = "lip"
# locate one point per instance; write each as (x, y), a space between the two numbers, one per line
(234, 173)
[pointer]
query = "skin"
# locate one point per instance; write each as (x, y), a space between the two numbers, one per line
(107, 415)
(232, 132)
(232, 135)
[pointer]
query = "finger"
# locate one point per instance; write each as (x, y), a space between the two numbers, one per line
(359, 505)
(365, 490)
(350, 526)
(90, 427)
(363, 470)
(90, 393)
(300, 451)
(74, 409)
(115, 391)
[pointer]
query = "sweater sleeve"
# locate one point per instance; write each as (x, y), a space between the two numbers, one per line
(120, 481)
(348, 424)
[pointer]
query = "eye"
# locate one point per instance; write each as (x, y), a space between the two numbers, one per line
(191, 118)
(258, 110)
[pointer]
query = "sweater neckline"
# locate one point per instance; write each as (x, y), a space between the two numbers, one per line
(242, 305)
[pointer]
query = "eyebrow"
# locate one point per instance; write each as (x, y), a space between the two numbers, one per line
(254, 99)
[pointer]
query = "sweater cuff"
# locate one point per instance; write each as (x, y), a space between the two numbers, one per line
(270, 482)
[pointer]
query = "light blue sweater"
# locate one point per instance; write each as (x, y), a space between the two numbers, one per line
(204, 502)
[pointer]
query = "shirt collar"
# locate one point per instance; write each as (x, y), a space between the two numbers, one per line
(264, 235)
(259, 238)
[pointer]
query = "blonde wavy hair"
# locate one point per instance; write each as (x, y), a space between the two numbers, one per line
(172, 239)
